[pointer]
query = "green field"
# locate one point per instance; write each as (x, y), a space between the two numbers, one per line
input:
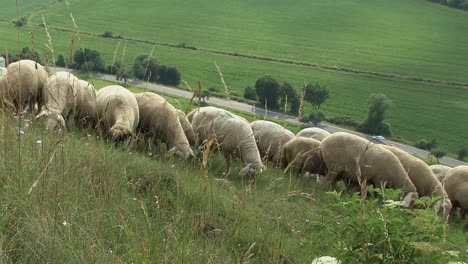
(398, 38)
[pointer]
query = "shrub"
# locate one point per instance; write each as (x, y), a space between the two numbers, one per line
(21, 22)
(268, 91)
(61, 61)
(462, 152)
(107, 34)
(250, 93)
(88, 60)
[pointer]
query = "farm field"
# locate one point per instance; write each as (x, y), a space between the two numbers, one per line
(419, 110)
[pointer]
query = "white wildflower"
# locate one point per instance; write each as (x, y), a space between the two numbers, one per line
(393, 204)
(65, 223)
(326, 260)
(150, 154)
(39, 142)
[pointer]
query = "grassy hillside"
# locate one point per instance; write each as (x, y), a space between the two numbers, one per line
(73, 198)
(397, 37)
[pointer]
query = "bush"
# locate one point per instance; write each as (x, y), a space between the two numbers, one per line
(168, 75)
(462, 152)
(268, 91)
(249, 93)
(427, 145)
(107, 34)
(343, 120)
(315, 117)
(88, 60)
(21, 22)
(61, 61)
(31, 54)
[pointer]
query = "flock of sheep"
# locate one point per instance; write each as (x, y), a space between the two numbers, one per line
(339, 156)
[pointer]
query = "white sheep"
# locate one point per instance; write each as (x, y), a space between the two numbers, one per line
(23, 84)
(61, 93)
(86, 107)
(313, 132)
(233, 135)
(270, 138)
(160, 120)
(456, 186)
(360, 161)
(424, 180)
(118, 111)
(440, 171)
(302, 154)
(188, 130)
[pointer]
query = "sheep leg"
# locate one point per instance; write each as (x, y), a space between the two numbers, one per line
(330, 178)
(228, 164)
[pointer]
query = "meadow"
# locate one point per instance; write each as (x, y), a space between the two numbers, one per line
(397, 38)
(72, 197)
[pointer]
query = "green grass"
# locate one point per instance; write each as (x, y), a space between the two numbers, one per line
(73, 198)
(419, 110)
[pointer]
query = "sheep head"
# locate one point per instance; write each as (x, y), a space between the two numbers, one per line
(119, 132)
(409, 198)
(443, 206)
(252, 170)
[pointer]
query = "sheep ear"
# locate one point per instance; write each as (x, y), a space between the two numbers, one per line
(408, 200)
(43, 113)
(171, 152)
(245, 170)
(191, 152)
(61, 120)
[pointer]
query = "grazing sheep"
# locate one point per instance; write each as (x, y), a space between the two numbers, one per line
(117, 111)
(188, 130)
(233, 135)
(361, 161)
(456, 186)
(61, 93)
(160, 120)
(424, 180)
(314, 132)
(86, 107)
(440, 171)
(23, 84)
(302, 154)
(270, 138)
(3, 73)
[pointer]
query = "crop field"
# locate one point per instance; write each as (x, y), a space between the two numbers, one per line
(399, 38)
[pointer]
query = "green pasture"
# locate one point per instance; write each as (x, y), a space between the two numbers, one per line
(419, 110)
(405, 37)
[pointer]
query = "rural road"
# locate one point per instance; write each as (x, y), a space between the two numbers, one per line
(261, 112)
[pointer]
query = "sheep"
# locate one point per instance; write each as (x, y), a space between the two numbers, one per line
(3, 73)
(440, 171)
(232, 133)
(361, 161)
(313, 132)
(424, 180)
(303, 154)
(61, 92)
(87, 112)
(118, 111)
(188, 130)
(456, 186)
(23, 84)
(270, 138)
(160, 119)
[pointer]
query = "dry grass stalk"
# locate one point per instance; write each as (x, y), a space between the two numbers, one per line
(226, 89)
(207, 149)
(115, 55)
(147, 64)
(49, 40)
(42, 173)
(301, 104)
(248, 254)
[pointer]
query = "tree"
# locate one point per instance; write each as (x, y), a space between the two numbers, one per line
(249, 93)
(268, 91)
(427, 145)
(316, 94)
(31, 54)
(145, 68)
(288, 92)
(462, 152)
(374, 124)
(61, 61)
(88, 60)
(168, 75)
(438, 153)
(315, 117)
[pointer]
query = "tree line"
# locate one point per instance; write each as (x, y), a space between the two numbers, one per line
(461, 4)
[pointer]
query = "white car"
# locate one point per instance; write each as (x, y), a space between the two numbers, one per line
(378, 138)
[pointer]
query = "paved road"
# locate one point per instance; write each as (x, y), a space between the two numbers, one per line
(261, 112)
